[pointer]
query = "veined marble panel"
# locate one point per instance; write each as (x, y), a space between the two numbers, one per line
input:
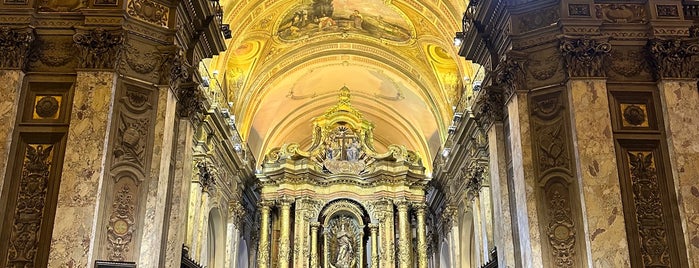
(12, 83)
(681, 114)
(525, 184)
(74, 237)
(178, 209)
(597, 175)
(501, 196)
(157, 196)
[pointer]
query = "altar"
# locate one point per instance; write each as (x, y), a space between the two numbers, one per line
(339, 203)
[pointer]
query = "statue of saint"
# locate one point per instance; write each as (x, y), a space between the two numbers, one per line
(345, 252)
(353, 151)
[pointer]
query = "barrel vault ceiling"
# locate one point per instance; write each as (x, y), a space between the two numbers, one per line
(287, 60)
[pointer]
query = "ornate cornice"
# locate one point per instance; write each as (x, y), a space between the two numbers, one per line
(672, 58)
(585, 56)
(15, 44)
(99, 48)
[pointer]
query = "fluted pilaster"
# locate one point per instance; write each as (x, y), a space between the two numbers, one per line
(263, 250)
(421, 235)
(403, 234)
(374, 229)
(284, 236)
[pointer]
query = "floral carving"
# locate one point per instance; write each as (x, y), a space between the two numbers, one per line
(31, 198)
(561, 229)
(627, 63)
(491, 105)
(55, 53)
(190, 100)
(121, 224)
(649, 210)
(634, 115)
(149, 11)
(141, 62)
(673, 57)
(99, 48)
(46, 107)
(544, 68)
(14, 47)
(585, 56)
(509, 75)
(206, 172)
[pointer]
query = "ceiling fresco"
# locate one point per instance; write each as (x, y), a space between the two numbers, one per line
(287, 61)
(372, 18)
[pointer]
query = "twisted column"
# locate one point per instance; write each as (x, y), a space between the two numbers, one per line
(403, 234)
(421, 235)
(374, 228)
(263, 249)
(284, 236)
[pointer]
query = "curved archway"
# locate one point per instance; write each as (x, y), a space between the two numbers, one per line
(216, 244)
(344, 237)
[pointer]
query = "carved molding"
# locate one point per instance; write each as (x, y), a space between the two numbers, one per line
(650, 218)
(62, 5)
(99, 48)
(561, 228)
(149, 11)
(585, 57)
(121, 226)
(672, 58)
(621, 13)
(628, 63)
(54, 53)
(29, 211)
(15, 45)
(190, 101)
(510, 75)
(131, 142)
(550, 132)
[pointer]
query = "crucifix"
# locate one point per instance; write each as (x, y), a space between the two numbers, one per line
(345, 141)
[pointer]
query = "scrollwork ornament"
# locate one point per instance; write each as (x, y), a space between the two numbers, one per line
(190, 100)
(15, 45)
(561, 231)
(585, 56)
(99, 48)
(672, 58)
(121, 225)
(510, 75)
(491, 106)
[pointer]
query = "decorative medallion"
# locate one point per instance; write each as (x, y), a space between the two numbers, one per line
(46, 107)
(25, 233)
(650, 218)
(543, 68)
(131, 137)
(142, 62)
(55, 53)
(149, 11)
(634, 115)
(628, 63)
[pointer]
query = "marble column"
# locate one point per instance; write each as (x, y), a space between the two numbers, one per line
(73, 242)
(314, 244)
(487, 218)
(202, 224)
(159, 192)
(403, 234)
(182, 182)
(373, 228)
(10, 92)
(502, 224)
(524, 182)
(597, 174)
(421, 235)
(679, 99)
(284, 234)
(263, 249)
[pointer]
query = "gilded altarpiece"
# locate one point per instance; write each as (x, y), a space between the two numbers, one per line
(349, 203)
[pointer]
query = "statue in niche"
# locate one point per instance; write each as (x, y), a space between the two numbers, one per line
(353, 151)
(344, 251)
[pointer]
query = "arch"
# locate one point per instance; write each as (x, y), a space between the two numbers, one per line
(444, 260)
(349, 206)
(242, 261)
(216, 244)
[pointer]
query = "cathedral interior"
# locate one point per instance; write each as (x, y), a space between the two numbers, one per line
(349, 134)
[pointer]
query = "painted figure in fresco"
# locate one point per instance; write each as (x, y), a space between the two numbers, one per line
(357, 19)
